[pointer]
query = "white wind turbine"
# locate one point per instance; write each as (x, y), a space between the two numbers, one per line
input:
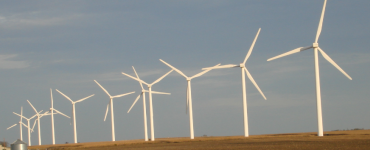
(243, 68)
(74, 112)
(316, 49)
(20, 123)
(144, 104)
(110, 103)
(38, 120)
(52, 116)
(150, 99)
(189, 103)
(28, 126)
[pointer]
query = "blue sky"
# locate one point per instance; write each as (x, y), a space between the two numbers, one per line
(65, 45)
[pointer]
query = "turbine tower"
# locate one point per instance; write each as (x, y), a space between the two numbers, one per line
(28, 126)
(150, 99)
(52, 116)
(243, 68)
(143, 91)
(74, 112)
(110, 103)
(316, 49)
(20, 123)
(189, 103)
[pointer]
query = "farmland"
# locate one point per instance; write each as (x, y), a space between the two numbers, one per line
(353, 139)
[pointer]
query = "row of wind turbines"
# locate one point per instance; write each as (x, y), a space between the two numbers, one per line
(244, 70)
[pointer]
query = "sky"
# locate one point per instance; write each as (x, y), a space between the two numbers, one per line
(66, 45)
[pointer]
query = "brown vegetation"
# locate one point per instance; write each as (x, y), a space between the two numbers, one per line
(332, 140)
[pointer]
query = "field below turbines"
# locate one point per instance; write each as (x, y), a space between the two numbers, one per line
(333, 140)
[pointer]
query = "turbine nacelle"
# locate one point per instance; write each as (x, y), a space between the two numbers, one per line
(315, 45)
(242, 65)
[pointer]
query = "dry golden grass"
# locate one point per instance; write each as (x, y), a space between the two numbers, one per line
(333, 140)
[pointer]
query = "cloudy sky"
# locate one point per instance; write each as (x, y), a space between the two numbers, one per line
(65, 45)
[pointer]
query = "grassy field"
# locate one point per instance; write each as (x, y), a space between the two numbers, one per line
(332, 140)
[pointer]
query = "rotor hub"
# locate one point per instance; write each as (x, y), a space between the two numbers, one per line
(242, 65)
(315, 45)
(143, 91)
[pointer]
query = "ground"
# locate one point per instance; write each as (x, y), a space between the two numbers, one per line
(332, 140)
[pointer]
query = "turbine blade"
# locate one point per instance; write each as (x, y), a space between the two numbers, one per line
(159, 79)
(11, 126)
(326, 56)
(177, 70)
(84, 98)
(254, 82)
(252, 46)
(24, 125)
(155, 92)
(64, 95)
(137, 98)
(299, 49)
(203, 72)
(34, 123)
(221, 67)
(46, 113)
(106, 112)
(51, 98)
(35, 115)
(102, 88)
(319, 29)
(122, 95)
(137, 76)
(20, 115)
(32, 107)
(141, 81)
(61, 113)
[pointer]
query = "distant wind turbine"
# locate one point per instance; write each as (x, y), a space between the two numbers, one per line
(189, 103)
(28, 126)
(150, 99)
(316, 49)
(52, 116)
(20, 123)
(110, 103)
(74, 112)
(38, 120)
(243, 68)
(143, 91)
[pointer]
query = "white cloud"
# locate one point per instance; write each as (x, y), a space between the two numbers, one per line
(6, 63)
(35, 19)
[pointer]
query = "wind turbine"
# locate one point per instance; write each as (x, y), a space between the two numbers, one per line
(110, 103)
(316, 49)
(143, 91)
(52, 116)
(243, 68)
(20, 123)
(74, 112)
(38, 120)
(28, 126)
(150, 99)
(189, 103)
